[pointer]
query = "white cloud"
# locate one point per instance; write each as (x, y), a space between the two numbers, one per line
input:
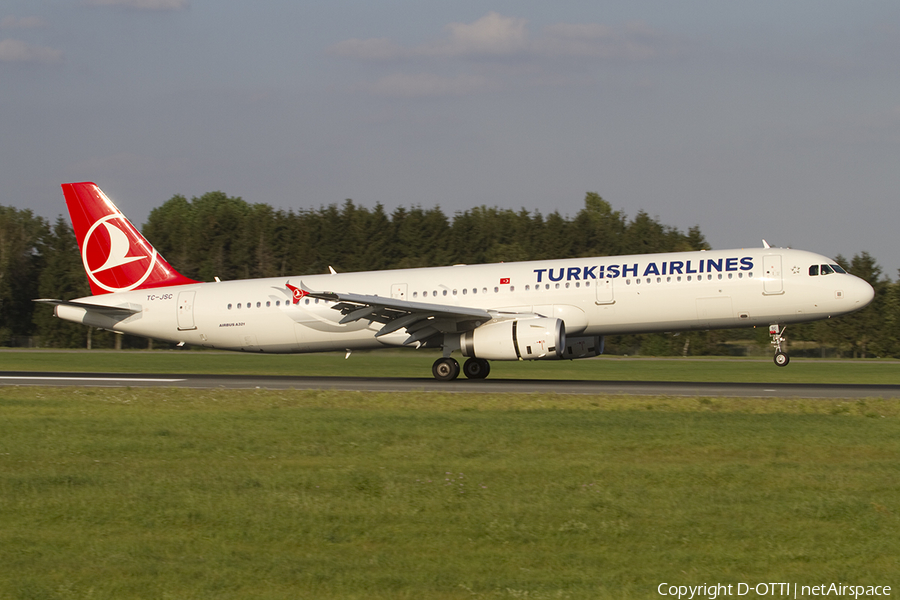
(491, 35)
(17, 51)
(497, 52)
(142, 4)
(11, 22)
(496, 36)
(631, 42)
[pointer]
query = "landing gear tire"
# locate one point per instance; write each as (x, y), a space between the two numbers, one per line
(445, 369)
(776, 332)
(476, 368)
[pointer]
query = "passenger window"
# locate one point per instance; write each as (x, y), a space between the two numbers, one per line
(445, 292)
(813, 270)
(259, 305)
(512, 288)
(496, 289)
(229, 307)
(465, 291)
(268, 304)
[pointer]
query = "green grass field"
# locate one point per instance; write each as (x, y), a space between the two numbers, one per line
(411, 363)
(154, 493)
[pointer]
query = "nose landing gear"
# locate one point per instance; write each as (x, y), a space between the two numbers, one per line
(777, 334)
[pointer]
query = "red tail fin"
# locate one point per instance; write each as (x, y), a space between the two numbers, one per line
(115, 255)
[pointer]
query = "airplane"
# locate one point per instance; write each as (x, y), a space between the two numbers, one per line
(534, 310)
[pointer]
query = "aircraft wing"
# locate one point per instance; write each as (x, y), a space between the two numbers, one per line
(421, 320)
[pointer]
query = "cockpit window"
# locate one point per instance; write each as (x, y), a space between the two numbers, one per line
(825, 270)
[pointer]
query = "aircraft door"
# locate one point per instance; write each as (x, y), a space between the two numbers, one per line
(186, 311)
(772, 280)
(398, 291)
(605, 291)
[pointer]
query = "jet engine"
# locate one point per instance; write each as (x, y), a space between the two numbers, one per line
(516, 339)
(581, 347)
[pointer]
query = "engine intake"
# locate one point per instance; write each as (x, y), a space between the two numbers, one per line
(516, 339)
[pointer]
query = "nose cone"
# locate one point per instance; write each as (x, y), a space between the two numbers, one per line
(860, 293)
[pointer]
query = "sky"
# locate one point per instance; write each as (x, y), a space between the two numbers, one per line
(753, 120)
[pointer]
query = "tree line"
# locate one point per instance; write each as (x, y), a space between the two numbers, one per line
(216, 235)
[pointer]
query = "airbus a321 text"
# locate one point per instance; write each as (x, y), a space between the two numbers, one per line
(548, 309)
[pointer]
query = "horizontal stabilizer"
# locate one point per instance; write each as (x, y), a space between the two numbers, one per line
(101, 308)
(117, 310)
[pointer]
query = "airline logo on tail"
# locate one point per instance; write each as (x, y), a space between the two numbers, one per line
(114, 260)
(115, 255)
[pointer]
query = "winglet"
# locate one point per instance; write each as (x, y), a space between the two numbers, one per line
(297, 292)
(766, 244)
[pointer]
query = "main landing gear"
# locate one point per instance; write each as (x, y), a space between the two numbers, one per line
(447, 369)
(777, 333)
(476, 368)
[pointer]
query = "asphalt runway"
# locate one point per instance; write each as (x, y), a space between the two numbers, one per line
(400, 384)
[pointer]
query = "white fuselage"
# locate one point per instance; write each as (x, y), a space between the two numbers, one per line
(593, 296)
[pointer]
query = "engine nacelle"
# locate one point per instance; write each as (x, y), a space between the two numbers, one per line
(516, 339)
(581, 347)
